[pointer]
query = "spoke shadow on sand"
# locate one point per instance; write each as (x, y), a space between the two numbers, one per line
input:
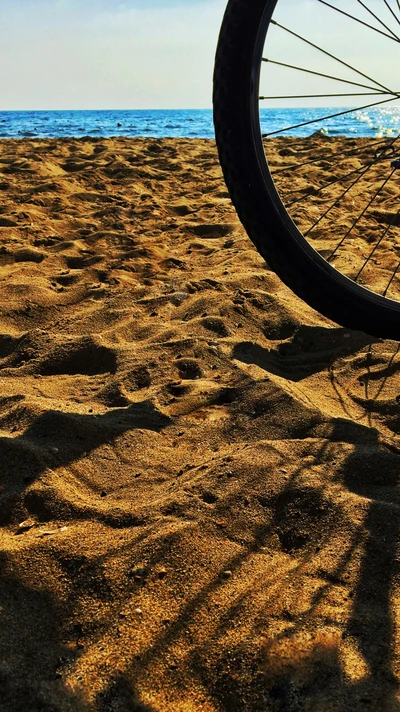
(310, 350)
(31, 648)
(370, 627)
(34, 657)
(303, 665)
(301, 662)
(55, 439)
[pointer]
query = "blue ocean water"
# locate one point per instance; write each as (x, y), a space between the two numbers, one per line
(193, 123)
(159, 124)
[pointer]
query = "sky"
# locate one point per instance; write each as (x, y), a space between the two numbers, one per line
(107, 54)
(159, 54)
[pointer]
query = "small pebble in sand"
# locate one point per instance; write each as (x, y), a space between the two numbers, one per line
(226, 574)
(178, 298)
(138, 611)
(140, 571)
(27, 524)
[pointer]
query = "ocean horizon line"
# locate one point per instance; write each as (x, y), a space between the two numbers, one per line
(195, 123)
(44, 111)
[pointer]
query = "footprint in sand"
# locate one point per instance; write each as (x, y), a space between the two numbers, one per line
(300, 515)
(138, 378)
(216, 325)
(210, 232)
(8, 344)
(188, 368)
(182, 209)
(78, 357)
(73, 262)
(45, 188)
(112, 396)
(75, 166)
(29, 254)
(7, 222)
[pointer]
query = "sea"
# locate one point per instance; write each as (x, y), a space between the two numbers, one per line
(196, 123)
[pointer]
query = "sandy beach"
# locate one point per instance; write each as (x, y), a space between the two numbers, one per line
(199, 498)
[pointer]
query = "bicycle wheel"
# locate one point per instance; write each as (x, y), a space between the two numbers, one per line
(307, 122)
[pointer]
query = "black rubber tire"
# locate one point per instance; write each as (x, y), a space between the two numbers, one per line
(250, 185)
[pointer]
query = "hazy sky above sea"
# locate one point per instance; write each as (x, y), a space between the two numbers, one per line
(92, 54)
(134, 54)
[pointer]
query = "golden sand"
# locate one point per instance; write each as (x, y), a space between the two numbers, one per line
(199, 505)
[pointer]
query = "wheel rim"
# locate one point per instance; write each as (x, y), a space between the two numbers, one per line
(333, 171)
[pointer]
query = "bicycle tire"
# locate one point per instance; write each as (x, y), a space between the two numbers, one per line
(252, 190)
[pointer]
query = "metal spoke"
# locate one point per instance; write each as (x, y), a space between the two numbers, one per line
(322, 96)
(366, 169)
(390, 10)
(325, 118)
(393, 220)
(352, 183)
(324, 157)
(381, 156)
(393, 356)
(332, 56)
(392, 35)
(377, 18)
(328, 185)
(326, 76)
(390, 283)
(381, 187)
